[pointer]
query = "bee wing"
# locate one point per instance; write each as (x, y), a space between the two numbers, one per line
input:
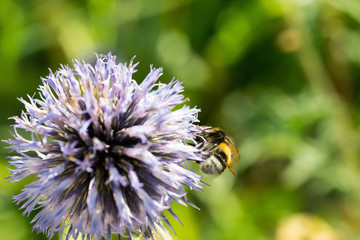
(235, 156)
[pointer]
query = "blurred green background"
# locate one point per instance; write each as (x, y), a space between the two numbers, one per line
(282, 77)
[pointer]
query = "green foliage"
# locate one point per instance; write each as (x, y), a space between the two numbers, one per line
(281, 77)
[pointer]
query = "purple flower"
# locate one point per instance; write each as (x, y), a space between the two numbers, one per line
(110, 155)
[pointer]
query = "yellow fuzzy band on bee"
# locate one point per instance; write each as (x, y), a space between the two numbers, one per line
(226, 149)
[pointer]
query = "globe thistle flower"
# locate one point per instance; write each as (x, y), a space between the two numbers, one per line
(110, 155)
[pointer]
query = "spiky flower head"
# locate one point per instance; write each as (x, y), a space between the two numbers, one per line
(110, 155)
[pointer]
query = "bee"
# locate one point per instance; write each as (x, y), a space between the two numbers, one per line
(219, 151)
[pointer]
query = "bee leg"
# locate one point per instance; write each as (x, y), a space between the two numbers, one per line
(231, 167)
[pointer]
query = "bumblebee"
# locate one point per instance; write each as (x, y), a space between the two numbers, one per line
(219, 151)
